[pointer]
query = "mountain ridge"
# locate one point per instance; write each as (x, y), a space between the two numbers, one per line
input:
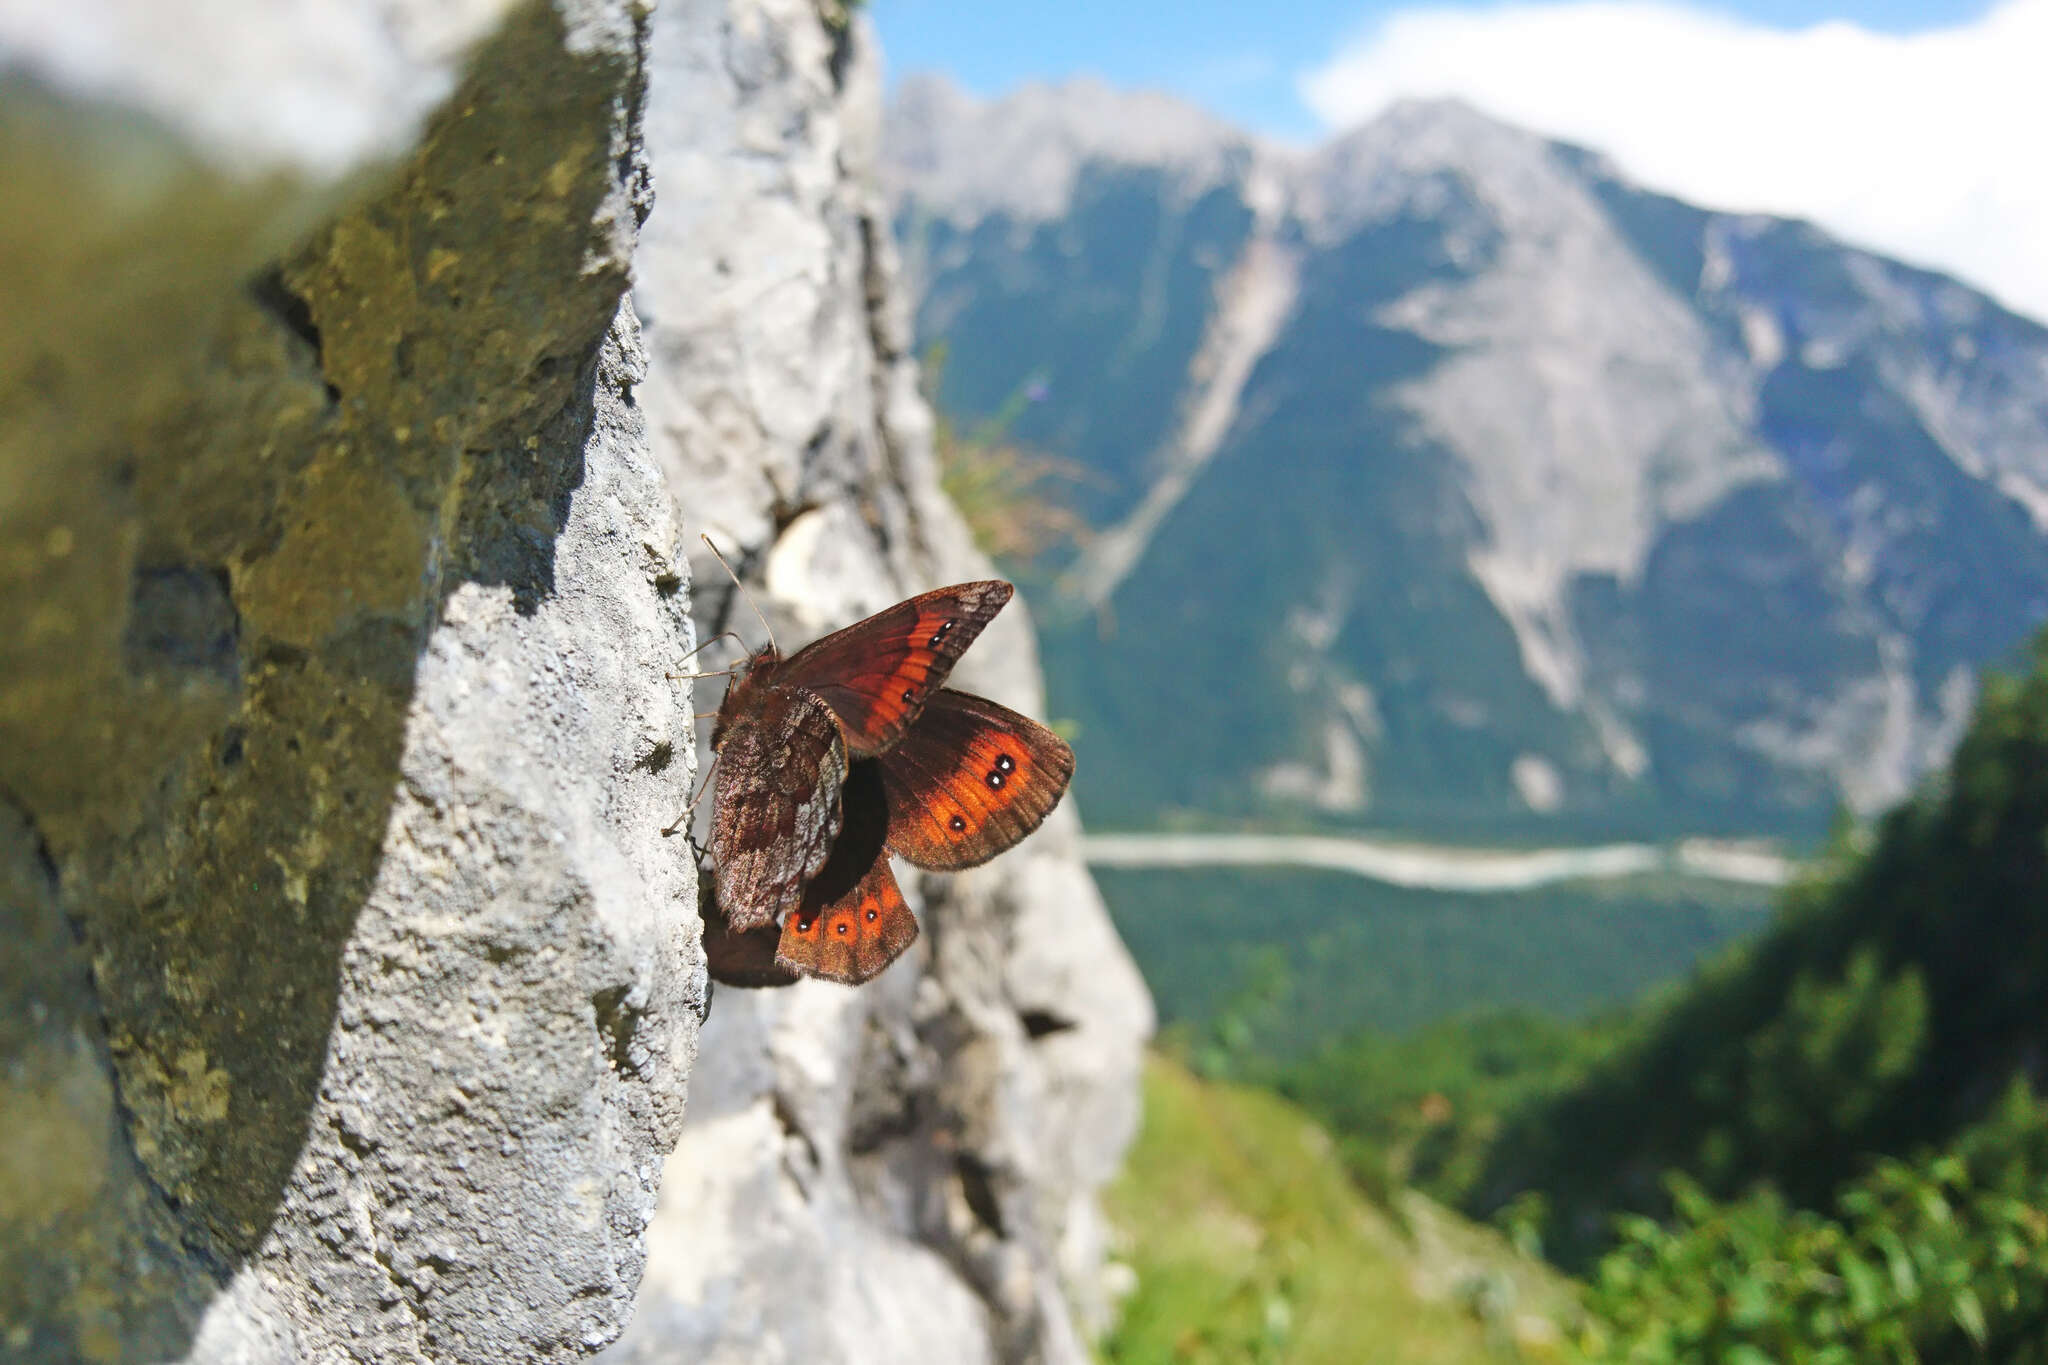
(1695, 515)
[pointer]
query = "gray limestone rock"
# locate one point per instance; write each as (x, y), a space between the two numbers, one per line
(348, 986)
(907, 1171)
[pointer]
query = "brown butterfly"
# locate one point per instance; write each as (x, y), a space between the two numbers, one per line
(847, 751)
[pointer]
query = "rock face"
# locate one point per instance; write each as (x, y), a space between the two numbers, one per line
(906, 1171)
(1582, 511)
(348, 988)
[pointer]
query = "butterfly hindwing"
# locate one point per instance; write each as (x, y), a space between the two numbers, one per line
(970, 780)
(780, 768)
(853, 938)
(878, 674)
(736, 958)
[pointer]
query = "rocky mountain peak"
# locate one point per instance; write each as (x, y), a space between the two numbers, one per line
(1403, 157)
(1693, 511)
(1020, 155)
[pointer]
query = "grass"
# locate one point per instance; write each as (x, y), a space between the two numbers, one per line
(1017, 502)
(1251, 1245)
(1013, 500)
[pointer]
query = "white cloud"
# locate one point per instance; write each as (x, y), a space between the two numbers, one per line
(1925, 146)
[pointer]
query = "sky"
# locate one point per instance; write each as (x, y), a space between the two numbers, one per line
(1913, 127)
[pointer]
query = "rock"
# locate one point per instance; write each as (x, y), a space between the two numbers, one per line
(356, 986)
(349, 988)
(908, 1170)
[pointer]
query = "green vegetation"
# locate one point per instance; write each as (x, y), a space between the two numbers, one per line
(1898, 995)
(1822, 1145)
(837, 15)
(1943, 1259)
(1250, 1245)
(1048, 307)
(1018, 503)
(1009, 496)
(1363, 955)
(1824, 1149)
(1425, 1108)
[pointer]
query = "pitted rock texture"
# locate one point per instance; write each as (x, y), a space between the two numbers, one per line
(907, 1171)
(355, 986)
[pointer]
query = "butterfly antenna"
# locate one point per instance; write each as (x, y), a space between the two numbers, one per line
(743, 590)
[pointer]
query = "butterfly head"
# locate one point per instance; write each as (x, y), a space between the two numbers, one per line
(744, 690)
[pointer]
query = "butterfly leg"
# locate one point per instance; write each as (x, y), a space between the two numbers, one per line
(675, 826)
(722, 635)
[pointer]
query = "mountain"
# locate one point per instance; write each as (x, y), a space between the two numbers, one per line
(1444, 479)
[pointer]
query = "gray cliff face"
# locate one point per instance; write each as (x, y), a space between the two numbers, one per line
(348, 988)
(908, 1170)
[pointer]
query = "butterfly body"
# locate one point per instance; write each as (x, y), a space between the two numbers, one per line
(849, 750)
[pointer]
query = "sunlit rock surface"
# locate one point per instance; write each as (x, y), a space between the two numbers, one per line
(906, 1171)
(348, 988)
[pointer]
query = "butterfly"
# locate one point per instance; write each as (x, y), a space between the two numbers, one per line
(845, 752)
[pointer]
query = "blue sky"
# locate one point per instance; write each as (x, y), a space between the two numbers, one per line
(1241, 60)
(1911, 128)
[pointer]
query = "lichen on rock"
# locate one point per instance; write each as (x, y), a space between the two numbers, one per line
(339, 589)
(350, 988)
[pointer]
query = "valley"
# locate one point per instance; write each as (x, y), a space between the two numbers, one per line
(1446, 867)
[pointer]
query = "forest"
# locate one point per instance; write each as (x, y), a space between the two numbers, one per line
(1826, 1144)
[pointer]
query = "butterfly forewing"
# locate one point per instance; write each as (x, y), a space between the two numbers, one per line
(970, 780)
(781, 764)
(877, 674)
